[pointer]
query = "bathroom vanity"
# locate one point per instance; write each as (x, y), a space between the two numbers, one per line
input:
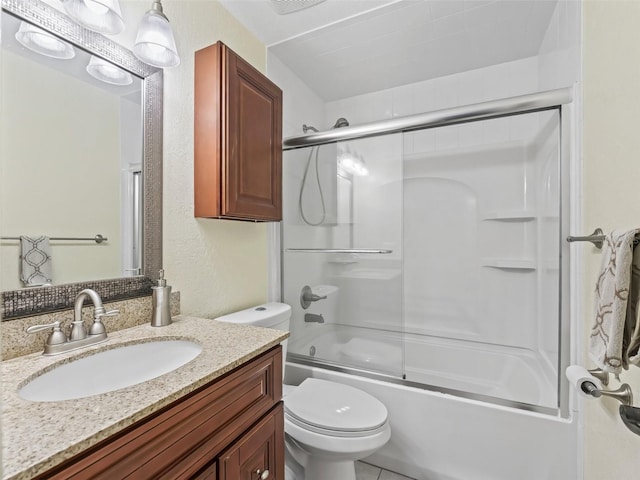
(219, 416)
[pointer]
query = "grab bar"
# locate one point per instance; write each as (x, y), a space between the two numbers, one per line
(340, 250)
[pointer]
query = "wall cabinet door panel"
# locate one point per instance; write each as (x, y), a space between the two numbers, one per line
(238, 139)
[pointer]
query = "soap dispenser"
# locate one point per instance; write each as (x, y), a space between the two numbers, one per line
(161, 299)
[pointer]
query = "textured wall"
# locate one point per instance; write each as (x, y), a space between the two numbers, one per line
(612, 176)
(217, 265)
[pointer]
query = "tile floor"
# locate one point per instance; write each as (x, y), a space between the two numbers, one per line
(364, 471)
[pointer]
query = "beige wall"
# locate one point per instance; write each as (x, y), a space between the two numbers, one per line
(217, 265)
(612, 196)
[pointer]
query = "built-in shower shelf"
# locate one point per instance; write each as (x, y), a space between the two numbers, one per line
(526, 264)
(510, 216)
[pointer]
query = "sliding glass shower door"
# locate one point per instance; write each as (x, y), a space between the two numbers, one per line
(432, 256)
(481, 263)
(342, 252)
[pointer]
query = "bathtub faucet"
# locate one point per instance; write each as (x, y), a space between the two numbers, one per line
(313, 318)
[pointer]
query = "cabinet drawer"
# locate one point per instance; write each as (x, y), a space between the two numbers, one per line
(183, 438)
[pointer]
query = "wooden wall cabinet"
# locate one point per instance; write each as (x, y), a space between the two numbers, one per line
(230, 429)
(237, 139)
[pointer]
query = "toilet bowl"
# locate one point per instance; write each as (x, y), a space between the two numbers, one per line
(328, 425)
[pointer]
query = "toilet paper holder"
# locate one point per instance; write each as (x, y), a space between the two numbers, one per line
(590, 382)
(622, 393)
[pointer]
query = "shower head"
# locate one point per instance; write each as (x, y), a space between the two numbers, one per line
(341, 122)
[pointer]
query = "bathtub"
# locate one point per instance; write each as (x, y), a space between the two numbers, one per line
(501, 372)
(440, 436)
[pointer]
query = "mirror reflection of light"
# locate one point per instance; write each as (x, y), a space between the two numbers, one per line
(343, 409)
(108, 72)
(42, 42)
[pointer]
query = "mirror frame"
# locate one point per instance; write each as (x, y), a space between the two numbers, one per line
(39, 300)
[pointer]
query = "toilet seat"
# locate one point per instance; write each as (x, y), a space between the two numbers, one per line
(334, 409)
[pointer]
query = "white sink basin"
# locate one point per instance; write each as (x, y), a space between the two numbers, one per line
(110, 370)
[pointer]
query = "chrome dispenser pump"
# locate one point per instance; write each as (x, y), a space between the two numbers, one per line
(161, 301)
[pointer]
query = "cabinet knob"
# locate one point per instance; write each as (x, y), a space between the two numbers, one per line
(262, 475)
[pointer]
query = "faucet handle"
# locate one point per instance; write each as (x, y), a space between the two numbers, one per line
(97, 327)
(56, 337)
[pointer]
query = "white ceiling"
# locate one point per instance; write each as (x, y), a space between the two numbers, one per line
(342, 48)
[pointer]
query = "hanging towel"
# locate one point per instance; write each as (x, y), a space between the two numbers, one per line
(610, 335)
(631, 340)
(35, 261)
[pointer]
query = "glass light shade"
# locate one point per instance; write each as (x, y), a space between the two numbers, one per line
(42, 42)
(155, 44)
(102, 16)
(108, 72)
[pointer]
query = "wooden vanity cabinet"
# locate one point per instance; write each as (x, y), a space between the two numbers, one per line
(229, 429)
(237, 139)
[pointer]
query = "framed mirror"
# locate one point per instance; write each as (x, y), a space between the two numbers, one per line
(81, 162)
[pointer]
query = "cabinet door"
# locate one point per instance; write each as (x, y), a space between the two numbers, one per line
(252, 164)
(259, 454)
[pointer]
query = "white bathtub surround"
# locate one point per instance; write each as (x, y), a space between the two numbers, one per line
(615, 325)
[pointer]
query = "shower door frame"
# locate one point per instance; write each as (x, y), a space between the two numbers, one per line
(560, 100)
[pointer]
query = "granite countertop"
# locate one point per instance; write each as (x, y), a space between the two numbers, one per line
(40, 435)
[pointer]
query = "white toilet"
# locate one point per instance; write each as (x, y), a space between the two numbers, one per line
(328, 425)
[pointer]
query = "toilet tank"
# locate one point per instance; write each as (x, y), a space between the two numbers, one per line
(268, 315)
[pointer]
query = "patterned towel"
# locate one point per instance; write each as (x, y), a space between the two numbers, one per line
(615, 316)
(631, 339)
(35, 265)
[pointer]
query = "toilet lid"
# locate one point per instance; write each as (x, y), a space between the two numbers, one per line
(335, 407)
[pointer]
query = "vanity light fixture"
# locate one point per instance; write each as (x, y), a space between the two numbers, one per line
(102, 16)
(108, 72)
(42, 42)
(155, 44)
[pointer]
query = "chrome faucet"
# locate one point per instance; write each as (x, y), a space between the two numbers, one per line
(79, 337)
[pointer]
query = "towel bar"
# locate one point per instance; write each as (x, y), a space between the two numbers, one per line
(98, 238)
(597, 238)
